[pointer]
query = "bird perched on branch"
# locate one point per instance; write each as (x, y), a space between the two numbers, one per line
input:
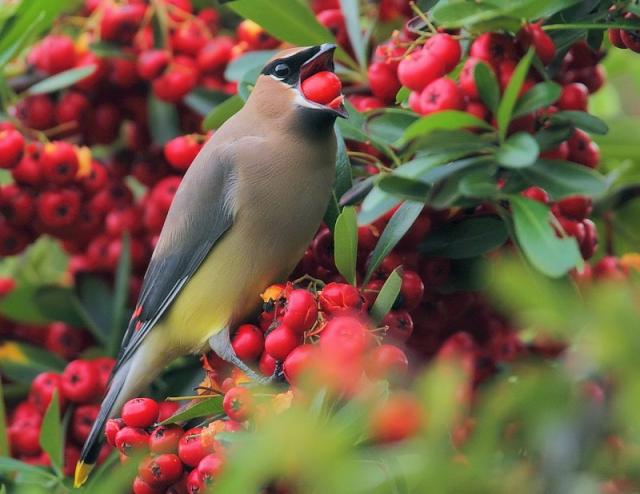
(241, 219)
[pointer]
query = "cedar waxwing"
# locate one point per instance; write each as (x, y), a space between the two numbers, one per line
(241, 219)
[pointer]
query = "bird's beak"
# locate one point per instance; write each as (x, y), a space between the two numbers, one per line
(320, 60)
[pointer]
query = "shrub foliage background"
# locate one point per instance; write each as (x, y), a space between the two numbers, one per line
(561, 424)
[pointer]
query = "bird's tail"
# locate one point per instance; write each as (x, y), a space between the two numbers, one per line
(118, 392)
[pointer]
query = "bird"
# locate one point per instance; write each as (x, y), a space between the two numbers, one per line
(241, 219)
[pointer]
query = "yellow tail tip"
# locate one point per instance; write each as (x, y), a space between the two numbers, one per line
(82, 473)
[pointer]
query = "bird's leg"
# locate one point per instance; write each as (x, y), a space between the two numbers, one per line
(221, 346)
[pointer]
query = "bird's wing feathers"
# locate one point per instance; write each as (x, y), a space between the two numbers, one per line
(201, 212)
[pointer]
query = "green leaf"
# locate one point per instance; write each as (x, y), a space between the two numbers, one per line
(288, 21)
(58, 303)
(20, 306)
(351, 12)
(388, 125)
(582, 120)
(444, 120)
(250, 61)
(478, 183)
(563, 178)
(552, 136)
(403, 95)
(518, 151)
(387, 296)
(9, 53)
(12, 466)
(204, 408)
(505, 108)
(96, 298)
(404, 188)
(164, 123)
(398, 225)
(61, 80)
(539, 96)
(549, 254)
(120, 296)
(487, 85)
(375, 205)
(22, 362)
(107, 49)
(465, 239)
(4, 436)
(51, 433)
(203, 101)
(346, 244)
(344, 179)
(223, 112)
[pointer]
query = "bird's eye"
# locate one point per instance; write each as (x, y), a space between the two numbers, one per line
(281, 70)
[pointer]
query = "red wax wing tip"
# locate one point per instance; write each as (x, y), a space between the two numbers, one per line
(322, 87)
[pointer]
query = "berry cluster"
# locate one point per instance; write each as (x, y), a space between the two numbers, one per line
(79, 389)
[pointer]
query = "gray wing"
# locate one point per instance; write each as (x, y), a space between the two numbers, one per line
(200, 214)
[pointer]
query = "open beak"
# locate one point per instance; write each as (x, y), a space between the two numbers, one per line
(321, 60)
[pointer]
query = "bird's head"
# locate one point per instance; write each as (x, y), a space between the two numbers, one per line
(280, 82)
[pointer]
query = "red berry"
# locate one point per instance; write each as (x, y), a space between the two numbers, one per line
(191, 447)
(322, 87)
(385, 360)
(419, 68)
(281, 341)
(248, 342)
(12, 240)
(72, 107)
(151, 63)
(11, 148)
(340, 298)
(55, 53)
(195, 483)
(615, 38)
(267, 364)
(189, 38)
(79, 382)
(344, 336)
(178, 80)
(399, 324)
(130, 440)
(58, 209)
(167, 409)
(333, 20)
(120, 23)
(583, 150)
(140, 412)
(383, 81)
(301, 311)
(447, 49)
(574, 96)
(238, 404)
(82, 420)
(210, 467)
(24, 436)
(59, 163)
(631, 37)
(493, 48)
(441, 94)
(537, 194)
(111, 429)
(42, 389)
(17, 204)
(141, 487)
(297, 362)
(365, 103)
(467, 77)
(165, 439)
(215, 55)
(400, 417)
(411, 290)
(575, 207)
(181, 151)
(37, 112)
(161, 470)
(533, 34)
(435, 271)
